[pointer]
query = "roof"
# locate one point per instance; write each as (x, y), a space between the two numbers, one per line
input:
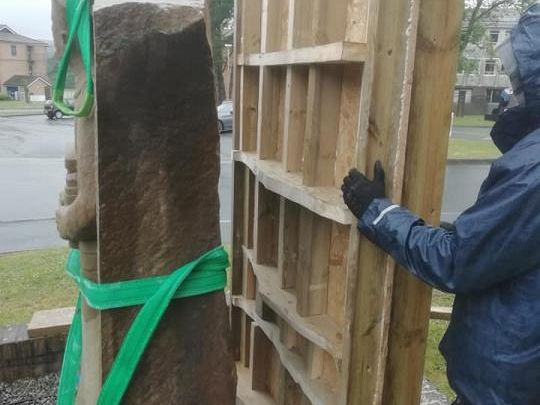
(20, 80)
(5, 28)
(8, 35)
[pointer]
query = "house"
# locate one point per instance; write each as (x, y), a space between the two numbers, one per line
(22, 56)
(27, 88)
(479, 87)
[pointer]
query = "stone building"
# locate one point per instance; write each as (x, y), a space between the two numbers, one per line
(22, 56)
(477, 90)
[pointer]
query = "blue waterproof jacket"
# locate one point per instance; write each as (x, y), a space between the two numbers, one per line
(491, 261)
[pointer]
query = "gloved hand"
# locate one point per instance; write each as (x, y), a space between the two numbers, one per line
(359, 191)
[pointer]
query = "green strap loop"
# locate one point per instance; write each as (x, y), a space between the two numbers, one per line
(79, 22)
(202, 276)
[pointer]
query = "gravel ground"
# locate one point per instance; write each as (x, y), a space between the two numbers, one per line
(41, 391)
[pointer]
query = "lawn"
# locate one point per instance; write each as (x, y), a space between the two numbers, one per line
(20, 105)
(35, 280)
(472, 121)
(435, 366)
(32, 281)
(472, 149)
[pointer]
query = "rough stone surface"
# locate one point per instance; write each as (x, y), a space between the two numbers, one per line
(158, 207)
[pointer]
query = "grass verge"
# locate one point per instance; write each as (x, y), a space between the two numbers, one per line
(20, 105)
(435, 366)
(33, 281)
(472, 149)
(477, 121)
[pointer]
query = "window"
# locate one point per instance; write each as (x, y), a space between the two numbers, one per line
(494, 36)
(490, 67)
(13, 50)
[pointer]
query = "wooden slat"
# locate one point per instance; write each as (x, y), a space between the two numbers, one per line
(52, 322)
(250, 26)
(441, 313)
(249, 207)
(249, 280)
(248, 111)
(384, 106)
(313, 264)
(326, 202)
(322, 125)
(322, 330)
(238, 228)
(266, 231)
(317, 393)
(289, 221)
(335, 53)
(429, 123)
(296, 88)
(271, 108)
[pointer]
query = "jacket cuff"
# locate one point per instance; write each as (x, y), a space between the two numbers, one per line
(386, 224)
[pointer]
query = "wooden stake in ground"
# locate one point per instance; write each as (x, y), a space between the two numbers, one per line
(157, 205)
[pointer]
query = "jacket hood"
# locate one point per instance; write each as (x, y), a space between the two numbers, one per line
(515, 124)
(525, 39)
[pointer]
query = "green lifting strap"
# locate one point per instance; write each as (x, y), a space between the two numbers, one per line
(205, 275)
(79, 22)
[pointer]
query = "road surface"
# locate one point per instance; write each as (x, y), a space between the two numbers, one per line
(32, 174)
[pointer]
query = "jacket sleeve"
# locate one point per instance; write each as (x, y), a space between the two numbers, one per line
(495, 240)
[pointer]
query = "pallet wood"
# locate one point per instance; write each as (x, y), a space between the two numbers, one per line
(323, 87)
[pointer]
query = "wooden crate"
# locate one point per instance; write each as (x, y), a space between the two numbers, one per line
(318, 314)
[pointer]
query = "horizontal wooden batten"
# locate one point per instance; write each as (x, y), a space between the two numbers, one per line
(317, 393)
(441, 313)
(337, 53)
(321, 330)
(326, 202)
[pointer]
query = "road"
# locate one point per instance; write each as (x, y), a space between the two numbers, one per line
(471, 133)
(32, 174)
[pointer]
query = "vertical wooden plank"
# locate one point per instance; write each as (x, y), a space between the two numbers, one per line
(236, 331)
(274, 25)
(251, 26)
(249, 207)
(289, 220)
(322, 124)
(237, 96)
(249, 280)
(348, 121)
(313, 259)
(357, 21)
(337, 273)
(249, 104)
(259, 356)
(335, 20)
(238, 227)
(313, 117)
(266, 226)
(245, 340)
(429, 123)
(270, 113)
(296, 88)
(385, 97)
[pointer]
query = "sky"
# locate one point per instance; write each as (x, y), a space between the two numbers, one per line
(31, 18)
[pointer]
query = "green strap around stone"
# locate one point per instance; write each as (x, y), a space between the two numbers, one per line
(79, 23)
(202, 276)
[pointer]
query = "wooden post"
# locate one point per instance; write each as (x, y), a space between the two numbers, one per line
(429, 123)
(151, 159)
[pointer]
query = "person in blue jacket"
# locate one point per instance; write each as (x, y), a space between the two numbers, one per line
(490, 258)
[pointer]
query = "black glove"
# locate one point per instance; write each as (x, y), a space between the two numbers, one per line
(359, 191)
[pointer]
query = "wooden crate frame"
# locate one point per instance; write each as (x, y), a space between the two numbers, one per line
(318, 314)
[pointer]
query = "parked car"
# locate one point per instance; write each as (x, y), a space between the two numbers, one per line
(52, 112)
(225, 116)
